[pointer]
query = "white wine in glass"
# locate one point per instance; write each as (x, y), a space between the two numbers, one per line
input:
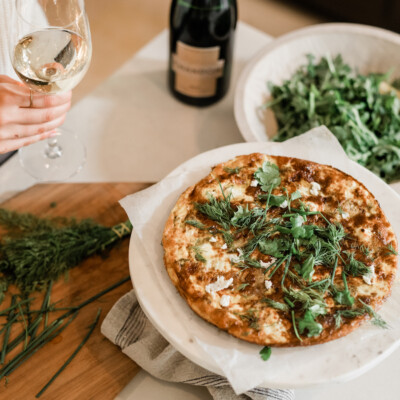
(51, 52)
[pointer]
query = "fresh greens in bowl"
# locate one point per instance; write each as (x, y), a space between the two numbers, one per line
(362, 111)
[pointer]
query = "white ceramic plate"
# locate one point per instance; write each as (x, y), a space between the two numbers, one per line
(336, 361)
(366, 48)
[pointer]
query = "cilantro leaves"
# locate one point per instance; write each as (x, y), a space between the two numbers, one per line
(274, 247)
(307, 268)
(268, 176)
(265, 353)
(308, 323)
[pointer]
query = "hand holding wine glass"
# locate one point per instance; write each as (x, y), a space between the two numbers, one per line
(22, 123)
(51, 52)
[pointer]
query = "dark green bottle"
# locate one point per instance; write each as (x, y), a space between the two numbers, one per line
(201, 49)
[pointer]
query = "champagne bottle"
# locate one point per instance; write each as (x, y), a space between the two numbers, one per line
(201, 47)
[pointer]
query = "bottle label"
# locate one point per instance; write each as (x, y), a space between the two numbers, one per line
(197, 70)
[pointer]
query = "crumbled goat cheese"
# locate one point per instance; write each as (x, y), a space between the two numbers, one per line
(369, 276)
(284, 204)
(315, 188)
(254, 183)
(224, 246)
(225, 301)
(268, 263)
(218, 285)
(213, 239)
(235, 259)
(316, 308)
(345, 215)
(367, 232)
(268, 284)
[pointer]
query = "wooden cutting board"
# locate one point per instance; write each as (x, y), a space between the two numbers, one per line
(100, 370)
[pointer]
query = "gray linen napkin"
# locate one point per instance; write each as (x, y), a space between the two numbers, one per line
(127, 327)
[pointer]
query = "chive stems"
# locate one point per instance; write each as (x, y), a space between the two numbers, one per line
(7, 331)
(25, 326)
(85, 339)
(295, 327)
(49, 332)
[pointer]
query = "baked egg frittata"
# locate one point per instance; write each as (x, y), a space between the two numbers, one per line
(280, 251)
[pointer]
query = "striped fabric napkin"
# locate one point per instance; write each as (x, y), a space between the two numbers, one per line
(127, 327)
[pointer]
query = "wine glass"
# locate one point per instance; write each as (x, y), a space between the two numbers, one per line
(51, 51)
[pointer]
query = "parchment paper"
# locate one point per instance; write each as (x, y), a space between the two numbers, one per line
(239, 361)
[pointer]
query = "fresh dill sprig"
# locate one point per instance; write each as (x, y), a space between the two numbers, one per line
(242, 286)
(195, 223)
(352, 313)
(251, 318)
(40, 250)
(217, 210)
(276, 304)
(304, 299)
(198, 254)
(355, 267)
(18, 223)
(365, 250)
(232, 171)
(391, 250)
(375, 317)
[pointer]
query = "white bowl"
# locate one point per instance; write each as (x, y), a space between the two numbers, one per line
(365, 48)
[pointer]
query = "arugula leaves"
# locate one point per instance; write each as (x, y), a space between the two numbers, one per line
(365, 119)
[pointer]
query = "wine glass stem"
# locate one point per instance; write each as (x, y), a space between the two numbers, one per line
(53, 149)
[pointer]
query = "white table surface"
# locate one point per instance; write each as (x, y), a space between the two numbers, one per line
(135, 130)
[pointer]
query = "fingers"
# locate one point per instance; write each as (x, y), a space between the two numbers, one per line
(22, 131)
(15, 144)
(13, 94)
(45, 100)
(27, 116)
(7, 79)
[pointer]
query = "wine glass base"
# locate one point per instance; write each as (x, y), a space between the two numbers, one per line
(35, 162)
